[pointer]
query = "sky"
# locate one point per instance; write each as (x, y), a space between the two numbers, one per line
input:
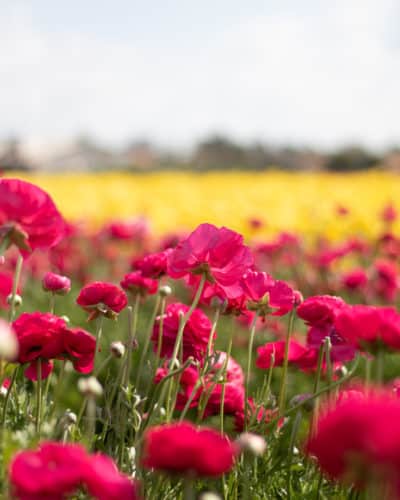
(311, 72)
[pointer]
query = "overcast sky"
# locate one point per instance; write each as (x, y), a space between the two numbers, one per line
(317, 72)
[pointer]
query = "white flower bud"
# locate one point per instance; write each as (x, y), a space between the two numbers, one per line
(90, 387)
(17, 300)
(8, 342)
(66, 319)
(69, 418)
(209, 495)
(252, 443)
(117, 349)
(165, 291)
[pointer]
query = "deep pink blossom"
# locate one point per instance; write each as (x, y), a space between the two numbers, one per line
(56, 283)
(102, 298)
(266, 294)
(184, 449)
(195, 334)
(153, 265)
(219, 253)
(28, 217)
(136, 283)
(56, 470)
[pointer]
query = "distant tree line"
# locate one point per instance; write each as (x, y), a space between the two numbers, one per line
(216, 152)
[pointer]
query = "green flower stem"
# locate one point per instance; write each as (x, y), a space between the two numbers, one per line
(318, 393)
(38, 396)
(52, 301)
(188, 490)
(17, 275)
(91, 420)
(282, 390)
(380, 366)
(7, 398)
(99, 331)
(185, 319)
(317, 381)
(177, 346)
(160, 331)
(248, 371)
(228, 354)
(295, 430)
(148, 334)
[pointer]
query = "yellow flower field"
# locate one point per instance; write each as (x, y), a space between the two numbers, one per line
(303, 202)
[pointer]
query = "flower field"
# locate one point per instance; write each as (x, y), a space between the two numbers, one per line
(181, 336)
(303, 202)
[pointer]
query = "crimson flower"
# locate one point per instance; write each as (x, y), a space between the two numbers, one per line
(219, 253)
(296, 352)
(183, 449)
(266, 294)
(40, 340)
(56, 470)
(102, 298)
(28, 216)
(320, 310)
(137, 283)
(195, 334)
(355, 279)
(55, 283)
(153, 265)
(358, 440)
(369, 327)
(43, 337)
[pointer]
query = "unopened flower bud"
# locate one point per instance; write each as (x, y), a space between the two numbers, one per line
(298, 298)
(341, 371)
(66, 319)
(17, 300)
(117, 349)
(209, 495)
(252, 443)
(165, 291)
(303, 398)
(55, 283)
(8, 342)
(69, 418)
(90, 387)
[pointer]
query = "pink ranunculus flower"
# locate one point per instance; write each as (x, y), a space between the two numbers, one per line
(184, 449)
(219, 253)
(265, 352)
(195, 334)
(56, 283)
(102, 298)
(40, 339)
(55, 471)
(320, 310)
(369, 327)
(29, 218)
(267, 295)
(153, 265)
(137, 284)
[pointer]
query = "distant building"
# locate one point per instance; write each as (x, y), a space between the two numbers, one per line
(12, 158)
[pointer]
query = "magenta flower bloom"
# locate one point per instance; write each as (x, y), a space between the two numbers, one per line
(55, 471)
(28, 216)
(182, 448)
(219, 253)
(266, 294)
(320, 310)
(55, 283)
(153, 265)
(368, 327)
(296, 352)
(102, 298)
(195, 334)
(136, 283)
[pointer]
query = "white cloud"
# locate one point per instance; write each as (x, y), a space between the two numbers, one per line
(324, 78)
